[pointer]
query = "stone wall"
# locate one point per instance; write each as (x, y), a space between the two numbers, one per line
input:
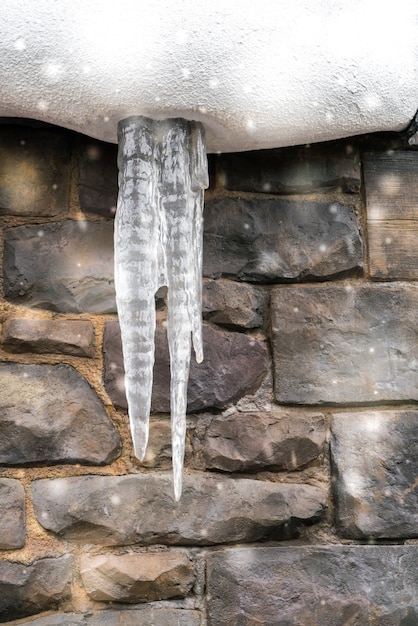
(300, 499)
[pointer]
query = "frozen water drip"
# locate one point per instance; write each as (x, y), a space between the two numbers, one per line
(158, 242)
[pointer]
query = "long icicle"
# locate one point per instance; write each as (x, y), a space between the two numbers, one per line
(158, 241)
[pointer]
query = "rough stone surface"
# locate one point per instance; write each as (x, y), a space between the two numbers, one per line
(234, 304)
(375, 456)
(118, 510)
(304, 169)
(315, 586)
(132, 578)
(275, 240)
(12, 514)
(66, 267)
(49, 414)
(98, 178)
(75, 337)
(234, 365)
(391, 187)
(30, 589)
(250, 441)
(134, 617)
(35, 166)
(345, 344)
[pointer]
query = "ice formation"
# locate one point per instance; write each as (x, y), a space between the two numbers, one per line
(158, 242)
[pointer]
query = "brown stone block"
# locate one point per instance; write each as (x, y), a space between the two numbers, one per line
(12, 514)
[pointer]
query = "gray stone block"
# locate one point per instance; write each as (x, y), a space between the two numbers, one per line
(75, 337)
(133, 617)
(35, 171)
(277, 240)
(304, 169)
(252, 441)
(120, 510)
(65, 267)
(318, 586)
(31, 589)
(345, 344)
(98, 178)
(12, 514)
(49, 414)
(234, 365)
(234, 304)
(375, 459)
(141, 577)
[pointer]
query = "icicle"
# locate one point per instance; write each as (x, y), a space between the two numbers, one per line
(158, 241)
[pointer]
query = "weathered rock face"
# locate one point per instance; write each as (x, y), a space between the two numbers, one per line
(142, 577)
(35, 171)
(345, 344)
(36, 428)
(30, 589)
(251, 441)
(234, 304)
(375, 454)
(234, 365)
(98, 178)
(75, 337)
(298, 170)
(133, 617)
(12, 514)
(65, 267)
(118, 510)
(276, 240)
(392, 211)
(322, 586)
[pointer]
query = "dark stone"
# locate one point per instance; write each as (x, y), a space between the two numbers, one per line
(65, 267)
(98, 178)
(35, 167)
(322, 586)
(345, 344)
(12, 514)
(75, 337)
(304, 169)
(234, 304)
(251, 441)
(140, 577)
(375, 459)
(49, 414)
(234, 365)
(30, 589)
(154, 616)
(140, 508)
(278, 240)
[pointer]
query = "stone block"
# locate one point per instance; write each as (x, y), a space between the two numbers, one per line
(345, 344)
(50, 414)
(234, 365)
(253, 441)
(314, 585)
(141, 577)
(31, 589)
(391, 187)
(140, 508)
(277, 240)
(35, 168)
(304, 169)
(65, 267)
(234, 304)
(12, 514)
(75, 337)
(375, 460)
(98, 178)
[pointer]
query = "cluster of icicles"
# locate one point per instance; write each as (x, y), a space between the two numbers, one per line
(158, 242)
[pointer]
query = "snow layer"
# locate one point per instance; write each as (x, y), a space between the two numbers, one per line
(257, 74)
